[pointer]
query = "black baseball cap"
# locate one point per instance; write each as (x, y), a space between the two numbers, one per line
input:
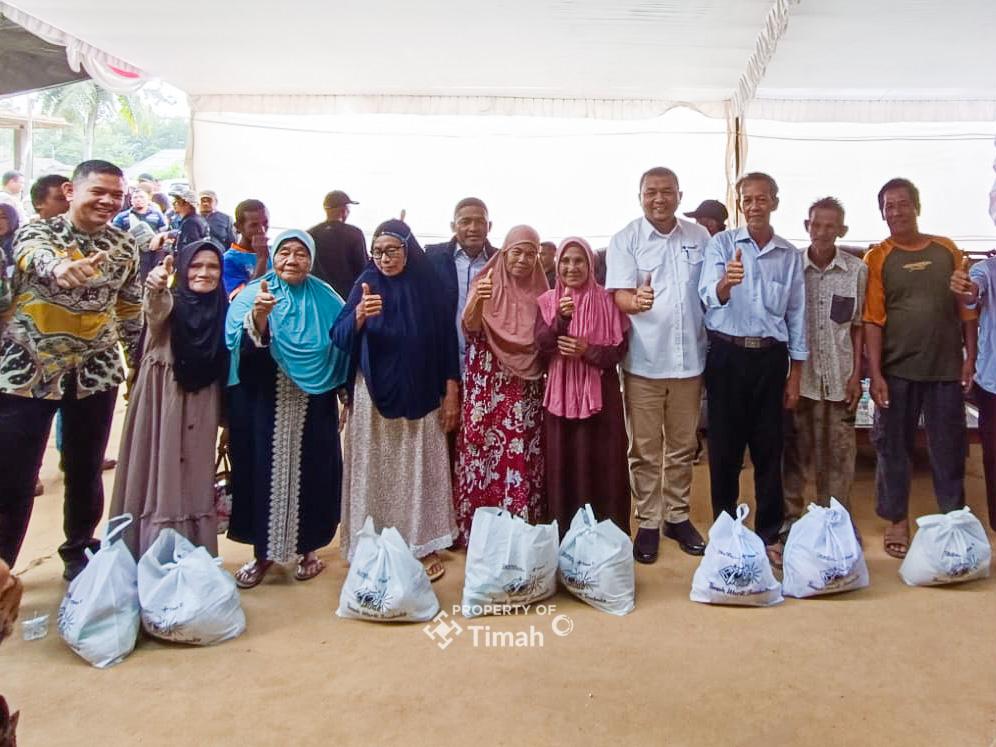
(710, 209)
(338, 198)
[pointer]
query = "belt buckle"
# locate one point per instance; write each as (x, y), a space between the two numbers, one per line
(753, 342)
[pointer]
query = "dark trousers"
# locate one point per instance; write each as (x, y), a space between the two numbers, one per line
(894, 433)
(987, 434)
(744, 388)
(24, 428)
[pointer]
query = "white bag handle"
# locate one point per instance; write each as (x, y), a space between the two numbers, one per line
(115, 527)
(742, 510)
(590, 516)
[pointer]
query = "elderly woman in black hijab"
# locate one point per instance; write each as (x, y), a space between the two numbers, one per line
(404, 378)
(166, 467)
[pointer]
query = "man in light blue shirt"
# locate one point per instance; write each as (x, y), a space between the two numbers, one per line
(753, 288)
(653, 265)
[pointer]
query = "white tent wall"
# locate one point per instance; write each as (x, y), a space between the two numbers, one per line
(564, 176)
(951, 163)
(570, 176)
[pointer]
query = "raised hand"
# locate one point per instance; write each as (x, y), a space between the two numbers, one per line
(961, 284)
(370, 304)
(735, 270)
(158, 278)
(263, 304)
(485, 286)
(71, 273)
(644, 298)
(566, 305)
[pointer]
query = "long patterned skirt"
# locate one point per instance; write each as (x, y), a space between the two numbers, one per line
(499, 449)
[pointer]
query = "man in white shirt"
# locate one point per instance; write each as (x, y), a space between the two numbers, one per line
(653, 265)
(11, 192)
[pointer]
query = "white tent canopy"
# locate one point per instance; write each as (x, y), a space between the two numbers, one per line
(840, 95)
(888, 60)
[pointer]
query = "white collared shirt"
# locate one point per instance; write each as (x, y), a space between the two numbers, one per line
(669, 340)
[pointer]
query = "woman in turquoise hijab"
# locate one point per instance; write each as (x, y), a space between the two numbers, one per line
(283, 413)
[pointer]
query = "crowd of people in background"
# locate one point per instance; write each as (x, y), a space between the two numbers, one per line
(532, 376)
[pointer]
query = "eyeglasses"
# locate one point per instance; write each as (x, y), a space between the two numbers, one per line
(392, 252)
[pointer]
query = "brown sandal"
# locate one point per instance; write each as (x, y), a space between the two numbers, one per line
(308, 567)
(434, 567)
(897, 539)
(252, 573)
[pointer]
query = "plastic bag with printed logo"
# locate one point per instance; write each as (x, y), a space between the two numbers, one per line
(947, 549)
(735, 567)
(596, 563)
(510, 563)
(822, 554)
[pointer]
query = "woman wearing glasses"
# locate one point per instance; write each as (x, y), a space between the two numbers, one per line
(404, 378)
(499, 448)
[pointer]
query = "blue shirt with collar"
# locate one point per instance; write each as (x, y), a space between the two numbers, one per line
(771, 300)
(467, 268)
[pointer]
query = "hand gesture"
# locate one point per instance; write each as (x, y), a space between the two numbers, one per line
(263, 304)
(961, 284)
(158, 278)
(259, 245)
(572, 347)
(644, 298)
(566, 305)
(370, 305)
(485, 286)
(735, 270)
(71, 273)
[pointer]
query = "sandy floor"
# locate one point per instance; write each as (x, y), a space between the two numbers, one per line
(888, 665)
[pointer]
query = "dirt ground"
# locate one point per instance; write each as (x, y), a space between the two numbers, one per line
(889, 665)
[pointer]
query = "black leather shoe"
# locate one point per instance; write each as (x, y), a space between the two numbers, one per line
(686, 535)
(646, 544)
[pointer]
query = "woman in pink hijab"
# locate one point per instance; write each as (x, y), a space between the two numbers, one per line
(583, 334)
(499, 450)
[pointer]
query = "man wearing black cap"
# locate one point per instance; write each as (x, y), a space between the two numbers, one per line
(340, 249)
(711, 215)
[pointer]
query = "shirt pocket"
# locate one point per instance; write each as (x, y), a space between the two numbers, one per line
(774, 295)
(842, 309)
(691, 263)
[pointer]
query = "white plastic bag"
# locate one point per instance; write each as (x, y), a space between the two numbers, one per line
(947, 549)
(822, 555)
(510, 563)
(185, 595)
(596, 563)
(98, 616)
(735, 567)
(386, 582)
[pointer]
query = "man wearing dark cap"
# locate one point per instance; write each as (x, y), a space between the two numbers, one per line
(711, 215)
(340, 249)
(220, 225)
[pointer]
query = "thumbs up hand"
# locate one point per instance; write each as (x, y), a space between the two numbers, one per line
(644, 298)
(158, 277)
(962, 285)
(370, 304)
(262, 305)
(71, 273)
(566, 305)
(735, 269)
(485, 286)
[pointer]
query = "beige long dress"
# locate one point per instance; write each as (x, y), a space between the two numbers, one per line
(166, 465)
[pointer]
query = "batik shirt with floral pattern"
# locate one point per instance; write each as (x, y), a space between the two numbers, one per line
(54, 332)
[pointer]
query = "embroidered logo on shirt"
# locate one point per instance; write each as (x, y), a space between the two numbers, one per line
(917, 266)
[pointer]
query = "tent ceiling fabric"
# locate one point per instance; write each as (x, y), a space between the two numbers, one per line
(30, 64)
(911, 59)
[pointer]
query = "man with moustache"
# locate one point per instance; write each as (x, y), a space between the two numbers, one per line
(921, 355)
(653, 265)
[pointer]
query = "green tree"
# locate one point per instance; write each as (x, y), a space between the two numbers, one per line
(85, 103)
